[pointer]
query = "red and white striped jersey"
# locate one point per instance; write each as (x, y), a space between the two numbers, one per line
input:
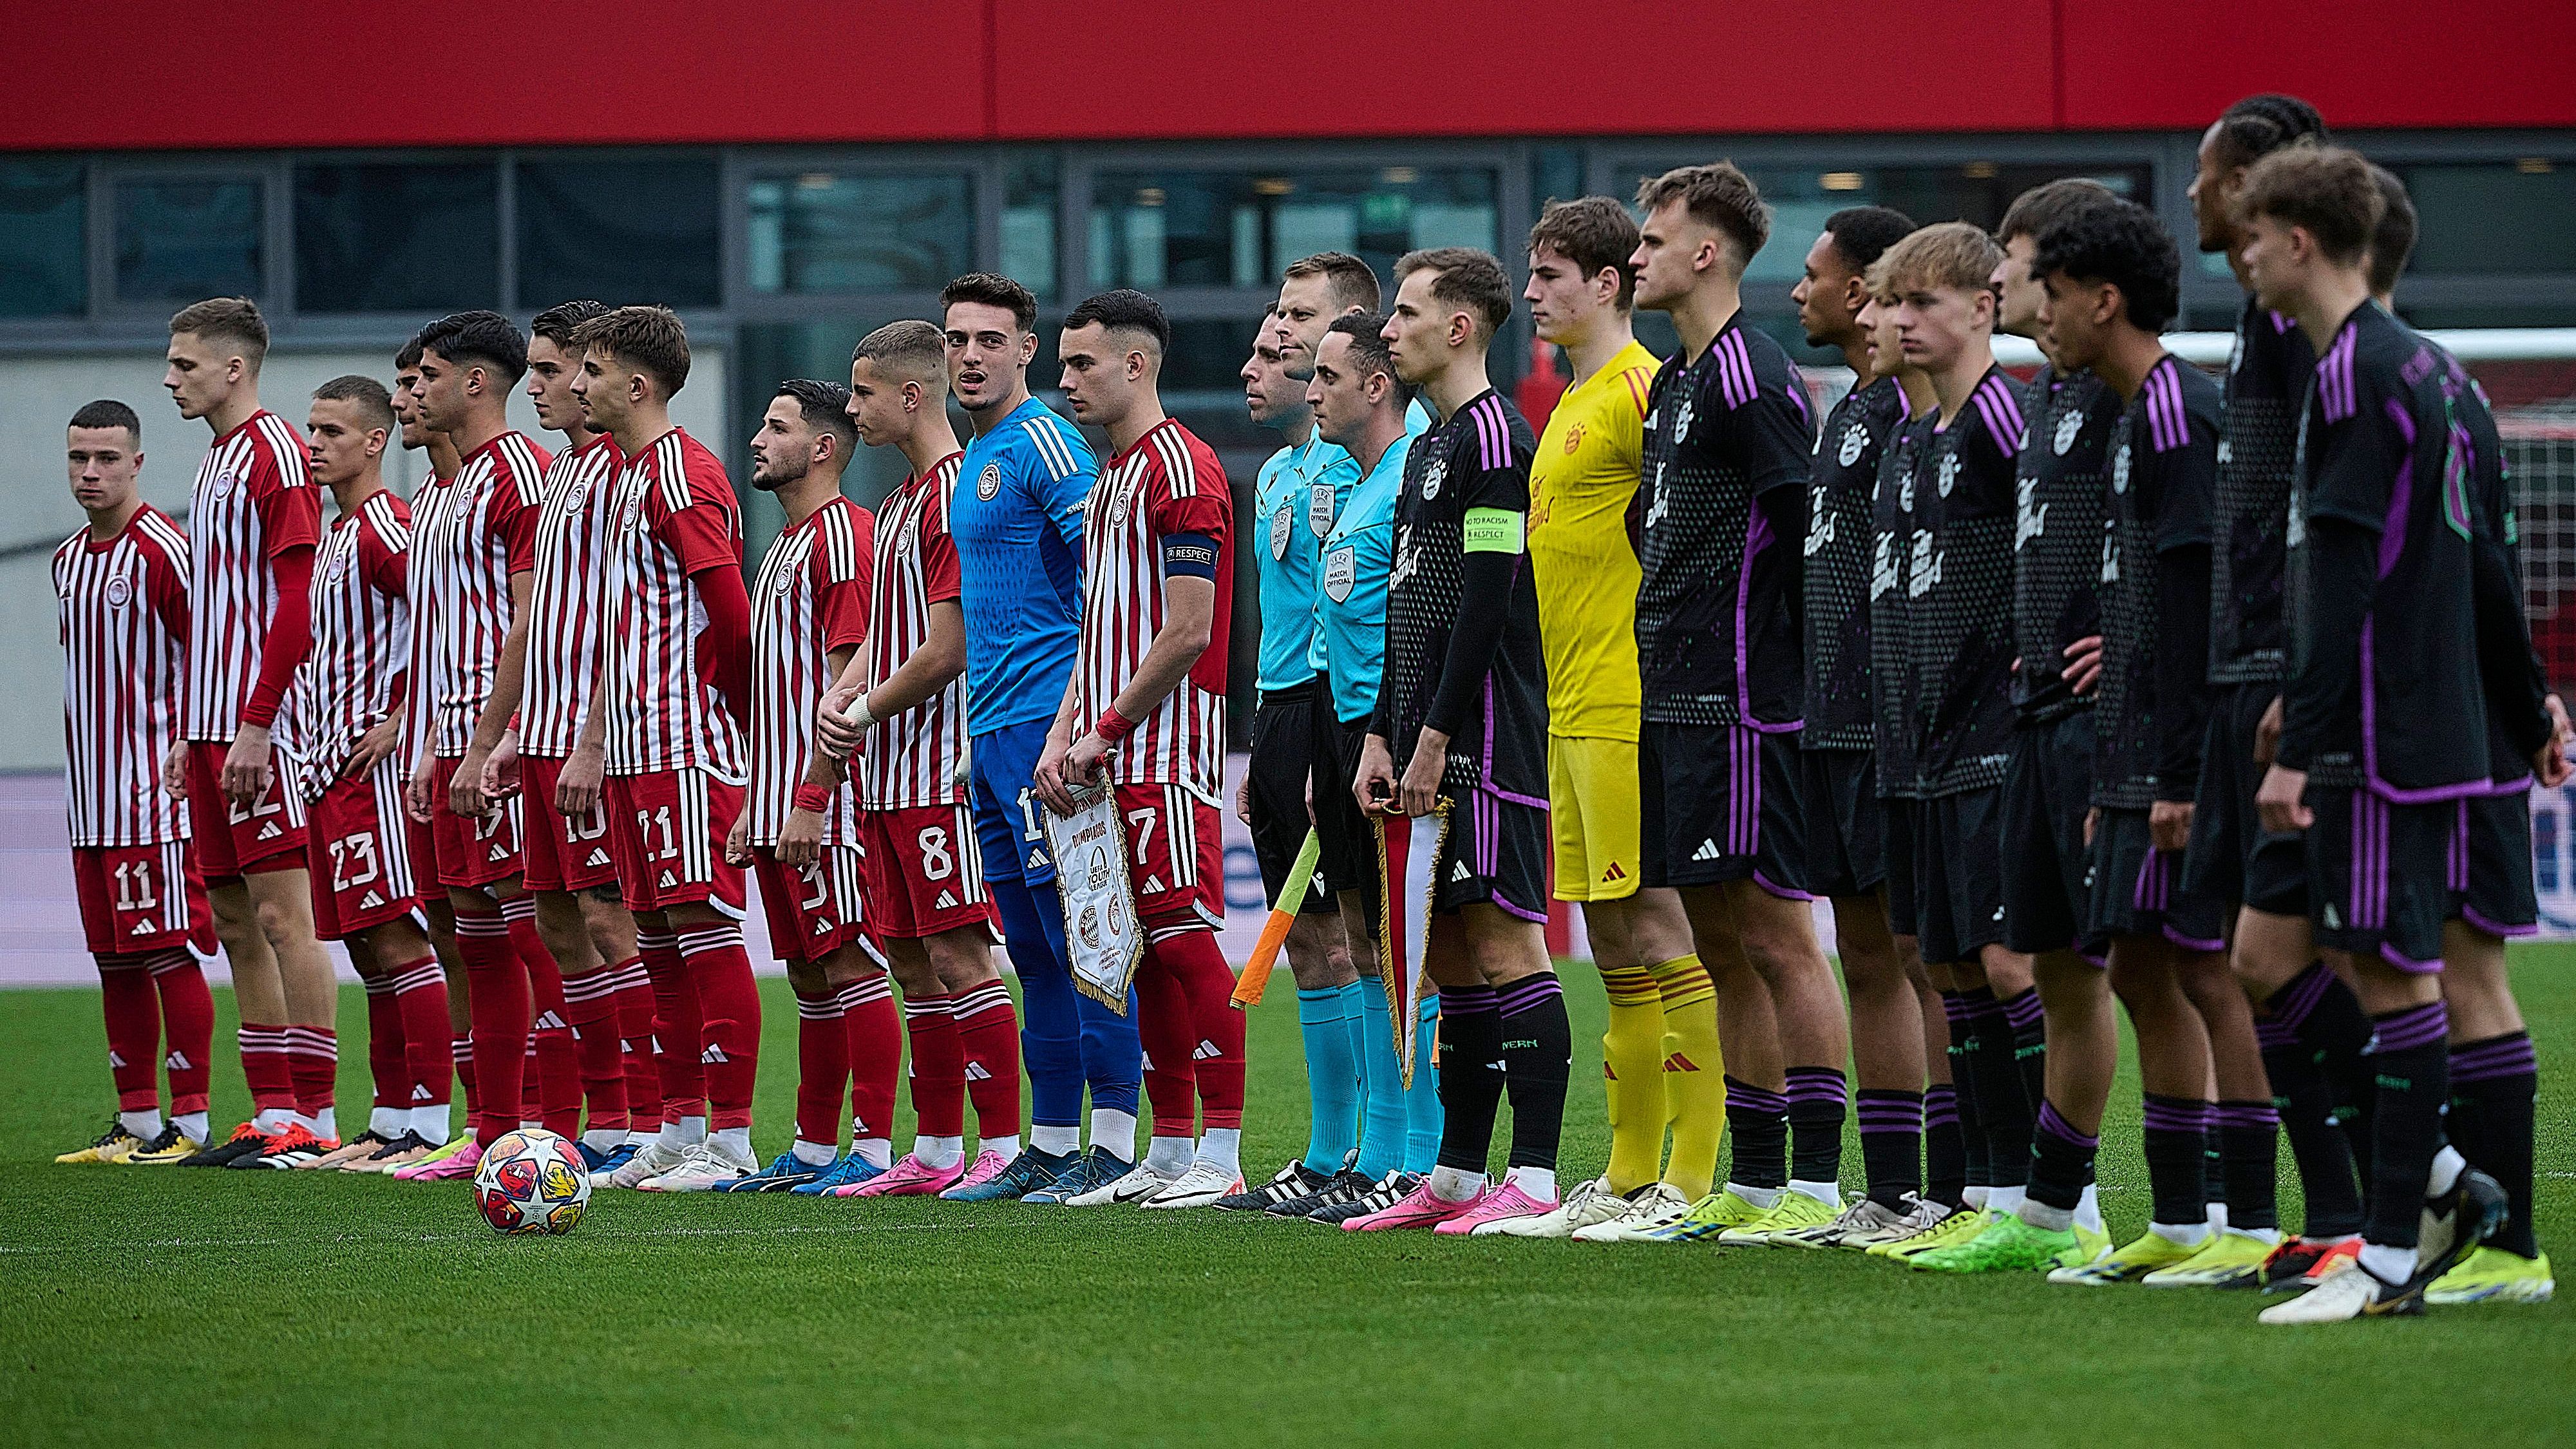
(1168, 483)
(566, 605)
(123, 607)
(910, 761)
(352, 680)
(469, 534)
(811, 598)
(252, 501)
(676, 514)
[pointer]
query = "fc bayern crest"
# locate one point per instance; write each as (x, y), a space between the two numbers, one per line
(1432, 477)
(1949, 473)
(1682, 411)
(2068, 427)
(1855, 442)
(988, 484)
(119, 591)
(2120, 469)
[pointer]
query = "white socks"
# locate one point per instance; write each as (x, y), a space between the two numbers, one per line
(431, 1124)
(2088, 1209)
(273, 1120)
(938, 1152)
(192, 1125)
(387, 1122)
(2389, 1265)
(1009, 1146)
(1830, 1194)
(2187, 1235)
(1760, 1197)
(683, 1132)
(2006, 1200)
(1451, 1185)
(734, 1142)
(604, 1139)
(1114, 1130)
(1066, 1141)
(1536, 1183)
(145, 1124)
(812, 1154)
(1170, 1156)
(1222, 1149)
(2448, 1164)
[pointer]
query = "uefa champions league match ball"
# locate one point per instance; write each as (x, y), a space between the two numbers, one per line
(532, 1181)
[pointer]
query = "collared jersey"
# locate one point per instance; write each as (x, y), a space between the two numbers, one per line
(1717, 611)
(2267, 375)
(2057, 536)
(1358, 555)
(1295, 498)
(2164, 467)
(1839, 550)
(1960, 582)
(1016, 516)
(1582, 481)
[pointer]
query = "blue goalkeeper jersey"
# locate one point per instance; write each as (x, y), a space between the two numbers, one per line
(1016, 517)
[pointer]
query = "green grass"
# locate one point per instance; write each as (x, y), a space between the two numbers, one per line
(153, 1307)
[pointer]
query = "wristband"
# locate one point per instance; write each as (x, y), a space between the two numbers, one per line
(813, 797)
(1112, 726)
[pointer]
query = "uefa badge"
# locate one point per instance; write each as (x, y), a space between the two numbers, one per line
(119, 592)
(1280, 522)
(988, 484)
(1319, 508)
(2067, 429)
(1949, 475)
(1855, 443)
(2120, 469)
(1433, 477)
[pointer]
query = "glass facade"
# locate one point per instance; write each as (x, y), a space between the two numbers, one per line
(818, 232)
(44, 239)
(183, 239)
(620, 229)
(1237, 228)
(397, 236)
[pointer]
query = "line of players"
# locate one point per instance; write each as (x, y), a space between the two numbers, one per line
(1710, 721)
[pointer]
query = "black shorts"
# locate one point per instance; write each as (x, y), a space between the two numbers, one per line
(1347, 836)
(1958, 874)
(2232, 858)
(2138, 890)
(1904, 820)
(2048, 870)
(2382, 875)
(1495, 851)
(1283, 756)
(2498, 897)
(1720, 803)
(1846, 822)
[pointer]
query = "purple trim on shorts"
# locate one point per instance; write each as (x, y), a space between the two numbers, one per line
(1774, 888)
(2411, 1028)
(2270, 1032)
(2152, 887)
(2024, 1009)
(2455, 851)
(2486, 1061)
(2095, 956)
(1940, 1105)
(2058, 1127)
(1536, 802)
(2515, 786)
(2248, 1115)
(2408, 964)
(2479, 921)
(2368, 886)
(2171, 1115)
(2193, 943)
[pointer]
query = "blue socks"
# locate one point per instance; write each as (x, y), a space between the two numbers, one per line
(1326, 1018)
(1400, 1129)
(1423, 1116)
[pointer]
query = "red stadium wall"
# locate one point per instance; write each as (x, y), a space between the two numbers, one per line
(147, 74)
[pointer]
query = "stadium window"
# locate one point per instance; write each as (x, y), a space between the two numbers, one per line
(1029, 196)
(397, 236)
(1154, 229)
(44, 231)
(622, 229)
(2493, 218)
(825, 232)
(182, 239)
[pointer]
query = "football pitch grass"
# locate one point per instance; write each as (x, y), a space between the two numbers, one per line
(142, 1307)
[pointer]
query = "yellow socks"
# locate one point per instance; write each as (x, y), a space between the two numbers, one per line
(1632, 1058)
(1693, 1075)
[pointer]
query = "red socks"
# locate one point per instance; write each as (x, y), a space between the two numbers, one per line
(1163, 1028)
(498, 997)
(590, 1004)
(938, 1066)
(730, 1037)
(460, 1053)
(988, 1031)
(1215, 1030)
(313, 1066)
(635, 1051)
(420, 996)
(875, 1043)
(264, 1069)
(822, 1066)
(188, 1023)
(558, 1056)
(677, 1027)
(386, 1055)
(133, 1032)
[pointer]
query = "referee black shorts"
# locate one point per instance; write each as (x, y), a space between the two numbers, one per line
(1283, 757)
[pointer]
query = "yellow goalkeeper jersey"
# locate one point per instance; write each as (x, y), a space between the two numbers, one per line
(1581, 484)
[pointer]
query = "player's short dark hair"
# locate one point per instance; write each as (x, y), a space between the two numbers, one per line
(1954, 254)
(107, 412)
(825, 407)
(1719, 195)
(2122, 244)
(650, 340)
(2326, 191)
(1369, 351)
(2392, 242)
(1123, 309)
(489, 338)
(1466, 278)
(993, 290)
(407, 358)
(2036, 211)
(1862, 234)
(556, 323)
(226, 319)
(1350, 281)
(375, 405)
(1594, 233)
(913, 348)
(2257, 126)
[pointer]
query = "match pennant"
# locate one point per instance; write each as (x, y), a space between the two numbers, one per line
(1100, 929)
(1408, 854)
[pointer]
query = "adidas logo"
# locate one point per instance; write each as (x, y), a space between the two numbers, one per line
(1145, 1060)
(1205, 1050)
(270, 831)
(1152, 885)
(667, 881)
(177, 1061)
(598, 857)
(419, 1091)
(1460, 871)
(713, 1056)
(1608, 1075)
(1679, 1063)
(547, 1021)
(142, 928)
(1707, 851)
(1998, 915)
(822, 928)
(975, 1072)
(371, 901)
(947, 901)
(1614, 872)
(499, 853)
(115, 1058)
(2334, 918)
(1037, 859)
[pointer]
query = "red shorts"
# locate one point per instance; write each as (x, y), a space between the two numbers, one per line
(924, 875)
(139, 899)
(231, 841)
(471, 853)
(563, 855)
(360, 847)
(420, 845)
(666, 831)
(1175, 854)
(813, 910)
